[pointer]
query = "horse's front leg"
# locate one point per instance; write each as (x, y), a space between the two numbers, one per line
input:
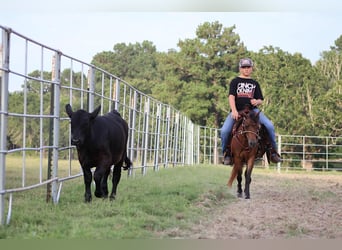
(248, 178)
(239, 181)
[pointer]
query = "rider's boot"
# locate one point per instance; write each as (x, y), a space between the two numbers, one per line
(275, 157)
(227, 159)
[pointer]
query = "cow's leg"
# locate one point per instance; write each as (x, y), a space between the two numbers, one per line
(248, 178)
(87, 176)
(104, 183)
(98, 176)
(115, 180)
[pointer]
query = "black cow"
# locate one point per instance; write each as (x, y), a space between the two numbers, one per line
(101, 142)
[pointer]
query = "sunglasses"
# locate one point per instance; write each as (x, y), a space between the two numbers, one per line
(246, 67)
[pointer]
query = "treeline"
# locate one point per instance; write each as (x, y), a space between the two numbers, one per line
(300, 98)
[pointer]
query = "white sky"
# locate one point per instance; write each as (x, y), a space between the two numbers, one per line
(83, 32)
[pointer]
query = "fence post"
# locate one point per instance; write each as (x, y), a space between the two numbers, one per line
(190, 143)
(304, 146)
(132, 129)
(167, 132)
(50, 140)
(91, 89)
(117, 94)
(56, 114)
(279, 150)
(175, 139)
(215, 148)
(326, 153)
(4, 64)
(157, 139)
(198, 144)
(146, 128)
(182, 140)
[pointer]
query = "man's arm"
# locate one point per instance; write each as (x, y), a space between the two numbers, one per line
(232, 105)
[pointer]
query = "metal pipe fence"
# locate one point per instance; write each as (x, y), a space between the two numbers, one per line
(35, 130)
(320, 153)
(35, 148)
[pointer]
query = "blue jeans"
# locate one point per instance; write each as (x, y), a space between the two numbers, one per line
(227, 127)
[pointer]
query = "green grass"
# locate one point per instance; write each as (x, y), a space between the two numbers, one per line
(172, 198)
(145, 205)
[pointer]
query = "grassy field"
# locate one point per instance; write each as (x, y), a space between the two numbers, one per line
(145, 205)
(172, 199)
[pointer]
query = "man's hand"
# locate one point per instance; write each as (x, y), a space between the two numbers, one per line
(255, 102)
(235, 115)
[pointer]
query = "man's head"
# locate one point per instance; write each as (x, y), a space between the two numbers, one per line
(245, 63)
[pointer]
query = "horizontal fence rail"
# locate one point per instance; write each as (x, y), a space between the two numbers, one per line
(311, 152)
(35, 133)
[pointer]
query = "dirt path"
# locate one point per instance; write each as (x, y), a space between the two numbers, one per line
(282, 206)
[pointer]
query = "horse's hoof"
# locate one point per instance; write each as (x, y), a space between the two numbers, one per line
(112, 198)
(239, 195)
(247, 197)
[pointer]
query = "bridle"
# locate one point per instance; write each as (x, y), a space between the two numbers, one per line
(243, 131)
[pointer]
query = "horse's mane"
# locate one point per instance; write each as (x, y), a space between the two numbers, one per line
(253, 116)
(246, 113)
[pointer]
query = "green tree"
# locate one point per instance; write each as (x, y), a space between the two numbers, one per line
(290, 87)
(330, 65)
(38, 85)
(329, 105)
(299, 98)
(199, 73)
(135, 63)
(338, 44)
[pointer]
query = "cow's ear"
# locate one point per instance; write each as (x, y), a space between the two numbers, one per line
(95, 112)
(68, 110)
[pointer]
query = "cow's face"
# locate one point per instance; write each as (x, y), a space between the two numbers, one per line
(80, 124)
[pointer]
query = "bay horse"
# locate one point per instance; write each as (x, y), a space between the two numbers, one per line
(244, 148)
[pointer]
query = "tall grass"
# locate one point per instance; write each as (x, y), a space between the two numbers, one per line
(30, 170)
(145, 205)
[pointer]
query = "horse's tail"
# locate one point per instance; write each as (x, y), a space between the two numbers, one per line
(232, 176)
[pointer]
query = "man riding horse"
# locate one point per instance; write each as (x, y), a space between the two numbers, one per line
(244, 90)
